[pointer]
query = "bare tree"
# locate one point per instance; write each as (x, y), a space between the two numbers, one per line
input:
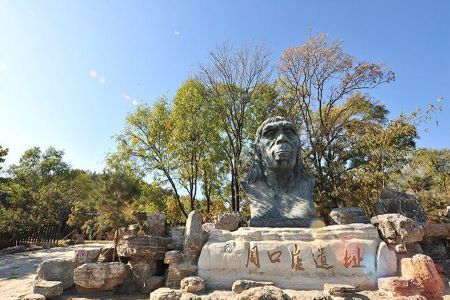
(231, 77)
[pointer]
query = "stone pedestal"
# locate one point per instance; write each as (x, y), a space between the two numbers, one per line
(297, 258)
(287, 222)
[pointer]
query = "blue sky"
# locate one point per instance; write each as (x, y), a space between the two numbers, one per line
(70, 71)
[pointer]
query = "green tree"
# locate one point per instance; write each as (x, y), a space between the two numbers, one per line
(318, 81)
(3, 153)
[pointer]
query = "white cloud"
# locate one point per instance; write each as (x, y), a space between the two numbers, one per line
(3, 67)
(102, 79)
(135, 102)
(93, 73)
(125, 96)
(176, 32)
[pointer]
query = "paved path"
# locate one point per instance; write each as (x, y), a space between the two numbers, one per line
(17, 271)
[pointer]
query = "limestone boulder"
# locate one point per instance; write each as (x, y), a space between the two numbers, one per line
(264, 293)
(165, 294)
(156, 224)
(192, 284)
(47, 288)
(34, 297)
(348, 215)
(193, 240)
(395, 202)
(432, 231)
(386, 261)
(176, 235)
(97, 277)
(140, 270)
(241, 285)
(57, 269)
(150, 247)
(296, 258)
(421, 268)
(398, 229)
(400, 286)
(82, 256)
(227, 221)
(340, 290)
(153, 283)
(177, 271)
(173, 256)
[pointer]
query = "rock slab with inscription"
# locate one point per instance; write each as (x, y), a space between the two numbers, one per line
(296, 258)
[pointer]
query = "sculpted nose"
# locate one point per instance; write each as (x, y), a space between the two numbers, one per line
(281, 137)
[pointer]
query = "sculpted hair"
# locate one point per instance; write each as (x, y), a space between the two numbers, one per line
(256, 172)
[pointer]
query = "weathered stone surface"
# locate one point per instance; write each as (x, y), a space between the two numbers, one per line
(178, 271)
(190, 296)
(436, 230)
(192, 284)
(165, 294)
(422, 268)
(386, 261)
(176, 235)
(341, 290)
(400, 286)
(86, 255)
(193, 241)
(241, 285)
(48, 288)
(435, 248)
(173, 256)
(57, 269)
(34, 297)
(153, 283)
(345, 254)
(348, 215)
(141, 269)
(395, 202)
(220, 295)
(448, 211)
(151, 247)
(277, 186)
(156, 224)
(227, 221)
(97, 277)
(398, 229)
(108, 254)
(208, 227)
(264, 293)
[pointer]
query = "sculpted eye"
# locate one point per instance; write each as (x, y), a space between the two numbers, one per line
(268, 133)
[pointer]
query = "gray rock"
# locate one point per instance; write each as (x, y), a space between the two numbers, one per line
(82, 256)
(348, 215)
(48, 288)
(57, 269)
(141, 270)
(98, 277)
(278, 176)
(176, 235)
(108, 255)
(340, 290)
(156, 224)
(192, 284)
(241, 285)
(435, 248)
(173, 256)
(165, 294)
(193, 240)
(264, 293)
(398, 229)
(151, 247)
(395, 202)
(153, 283)
(177, 271)
(227, 221)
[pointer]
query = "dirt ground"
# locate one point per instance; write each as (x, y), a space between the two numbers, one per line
(17, 271)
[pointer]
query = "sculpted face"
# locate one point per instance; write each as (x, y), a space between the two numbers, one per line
(279, 145)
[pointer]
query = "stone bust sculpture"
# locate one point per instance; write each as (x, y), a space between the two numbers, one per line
(277, 186)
